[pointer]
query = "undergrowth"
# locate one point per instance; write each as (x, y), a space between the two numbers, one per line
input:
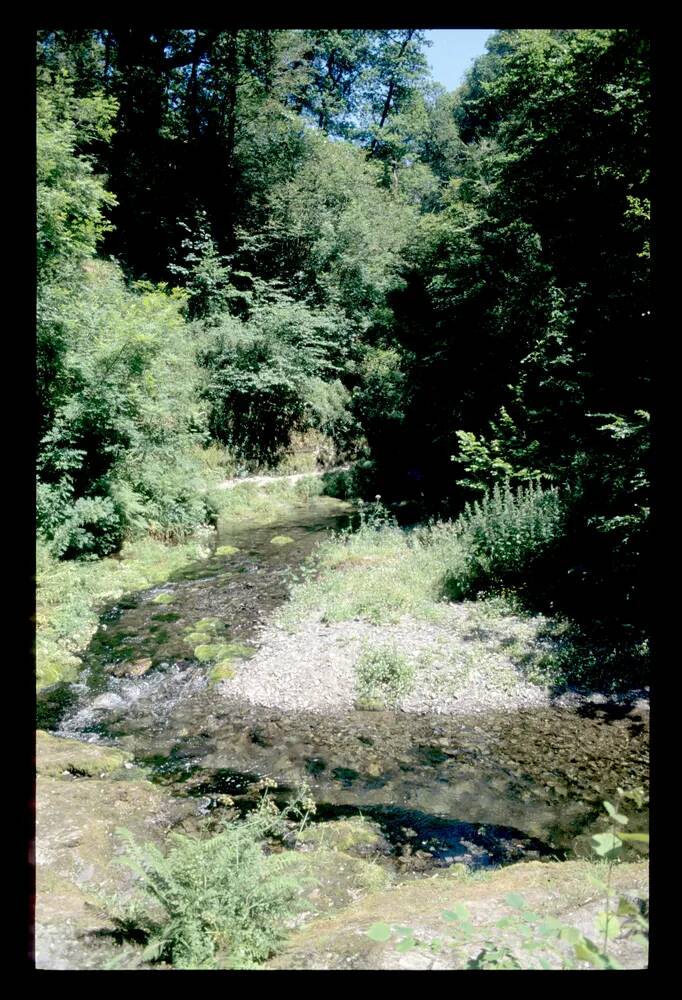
(215, 902)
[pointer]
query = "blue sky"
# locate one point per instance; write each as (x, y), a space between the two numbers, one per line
(453, 52)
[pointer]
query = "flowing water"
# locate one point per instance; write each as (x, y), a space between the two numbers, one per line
(481, 789)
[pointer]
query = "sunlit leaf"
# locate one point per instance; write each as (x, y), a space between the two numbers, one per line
(514, 900)
(639, 838)
(614, 814)
(379, 932)
(605, 843)
(609, 924)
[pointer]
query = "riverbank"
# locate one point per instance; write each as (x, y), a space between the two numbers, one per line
(70, 594)
(347, 880)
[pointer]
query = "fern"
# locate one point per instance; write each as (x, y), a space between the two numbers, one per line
(213, 903)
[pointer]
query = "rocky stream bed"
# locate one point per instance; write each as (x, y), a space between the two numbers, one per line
(191, 693)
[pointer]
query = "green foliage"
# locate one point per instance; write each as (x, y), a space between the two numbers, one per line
(333, 234)
(118, 456)
(489, 462)
(275, 373)
(217, 902)
(502, 534)
(70, 196)
(383, 673)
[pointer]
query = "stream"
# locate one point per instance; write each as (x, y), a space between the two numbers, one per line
(478, 790)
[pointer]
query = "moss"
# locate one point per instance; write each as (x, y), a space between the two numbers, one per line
(354, 833)
(163, 599)
(332, 879)
(167, 616)
(339, 940)
(281, 540)
(226, 550)
(370, 704)
(54, 756)
(61, 667)
(238, 650)
(70, 595)
(206, 652)
(222, 651)
(195, 638)
(206, 625)
(223, 671)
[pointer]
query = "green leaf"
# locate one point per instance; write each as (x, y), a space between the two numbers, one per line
(605, 843)
(570, 934)
(626, 908)
(614, 814)
(609, 924)
(406, 944)
(640, 838)
(379, 932)
(153, 950)
(600, 883)
(458, 912)
(585, 951)
(514, 900)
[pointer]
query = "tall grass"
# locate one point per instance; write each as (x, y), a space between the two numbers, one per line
(381, 572)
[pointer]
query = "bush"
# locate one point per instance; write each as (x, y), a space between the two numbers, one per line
(502, 535)
(275, 373)
(118, 457)
(214, 903)
(383, 674)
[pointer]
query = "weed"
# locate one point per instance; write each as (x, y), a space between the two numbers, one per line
(383, 674)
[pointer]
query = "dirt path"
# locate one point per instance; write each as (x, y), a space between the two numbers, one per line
(229, 484)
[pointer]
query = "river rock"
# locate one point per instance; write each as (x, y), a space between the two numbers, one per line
(136, 669)
(54, 756)
(108, 702)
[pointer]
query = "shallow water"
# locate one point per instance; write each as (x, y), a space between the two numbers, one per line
(478, 790)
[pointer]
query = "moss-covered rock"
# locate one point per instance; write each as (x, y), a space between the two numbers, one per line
(226, 550)
(55, 756)
(354, 835)
(222, 651)
(163, 599)
(281, 540)
(196, 638)
(223, 671)
(206, 625)
(77, 852)
(332, 879)
(206, 652)
(237, 650)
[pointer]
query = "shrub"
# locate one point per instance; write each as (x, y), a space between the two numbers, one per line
(218, 902)
(383, 674)
(502, 534)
